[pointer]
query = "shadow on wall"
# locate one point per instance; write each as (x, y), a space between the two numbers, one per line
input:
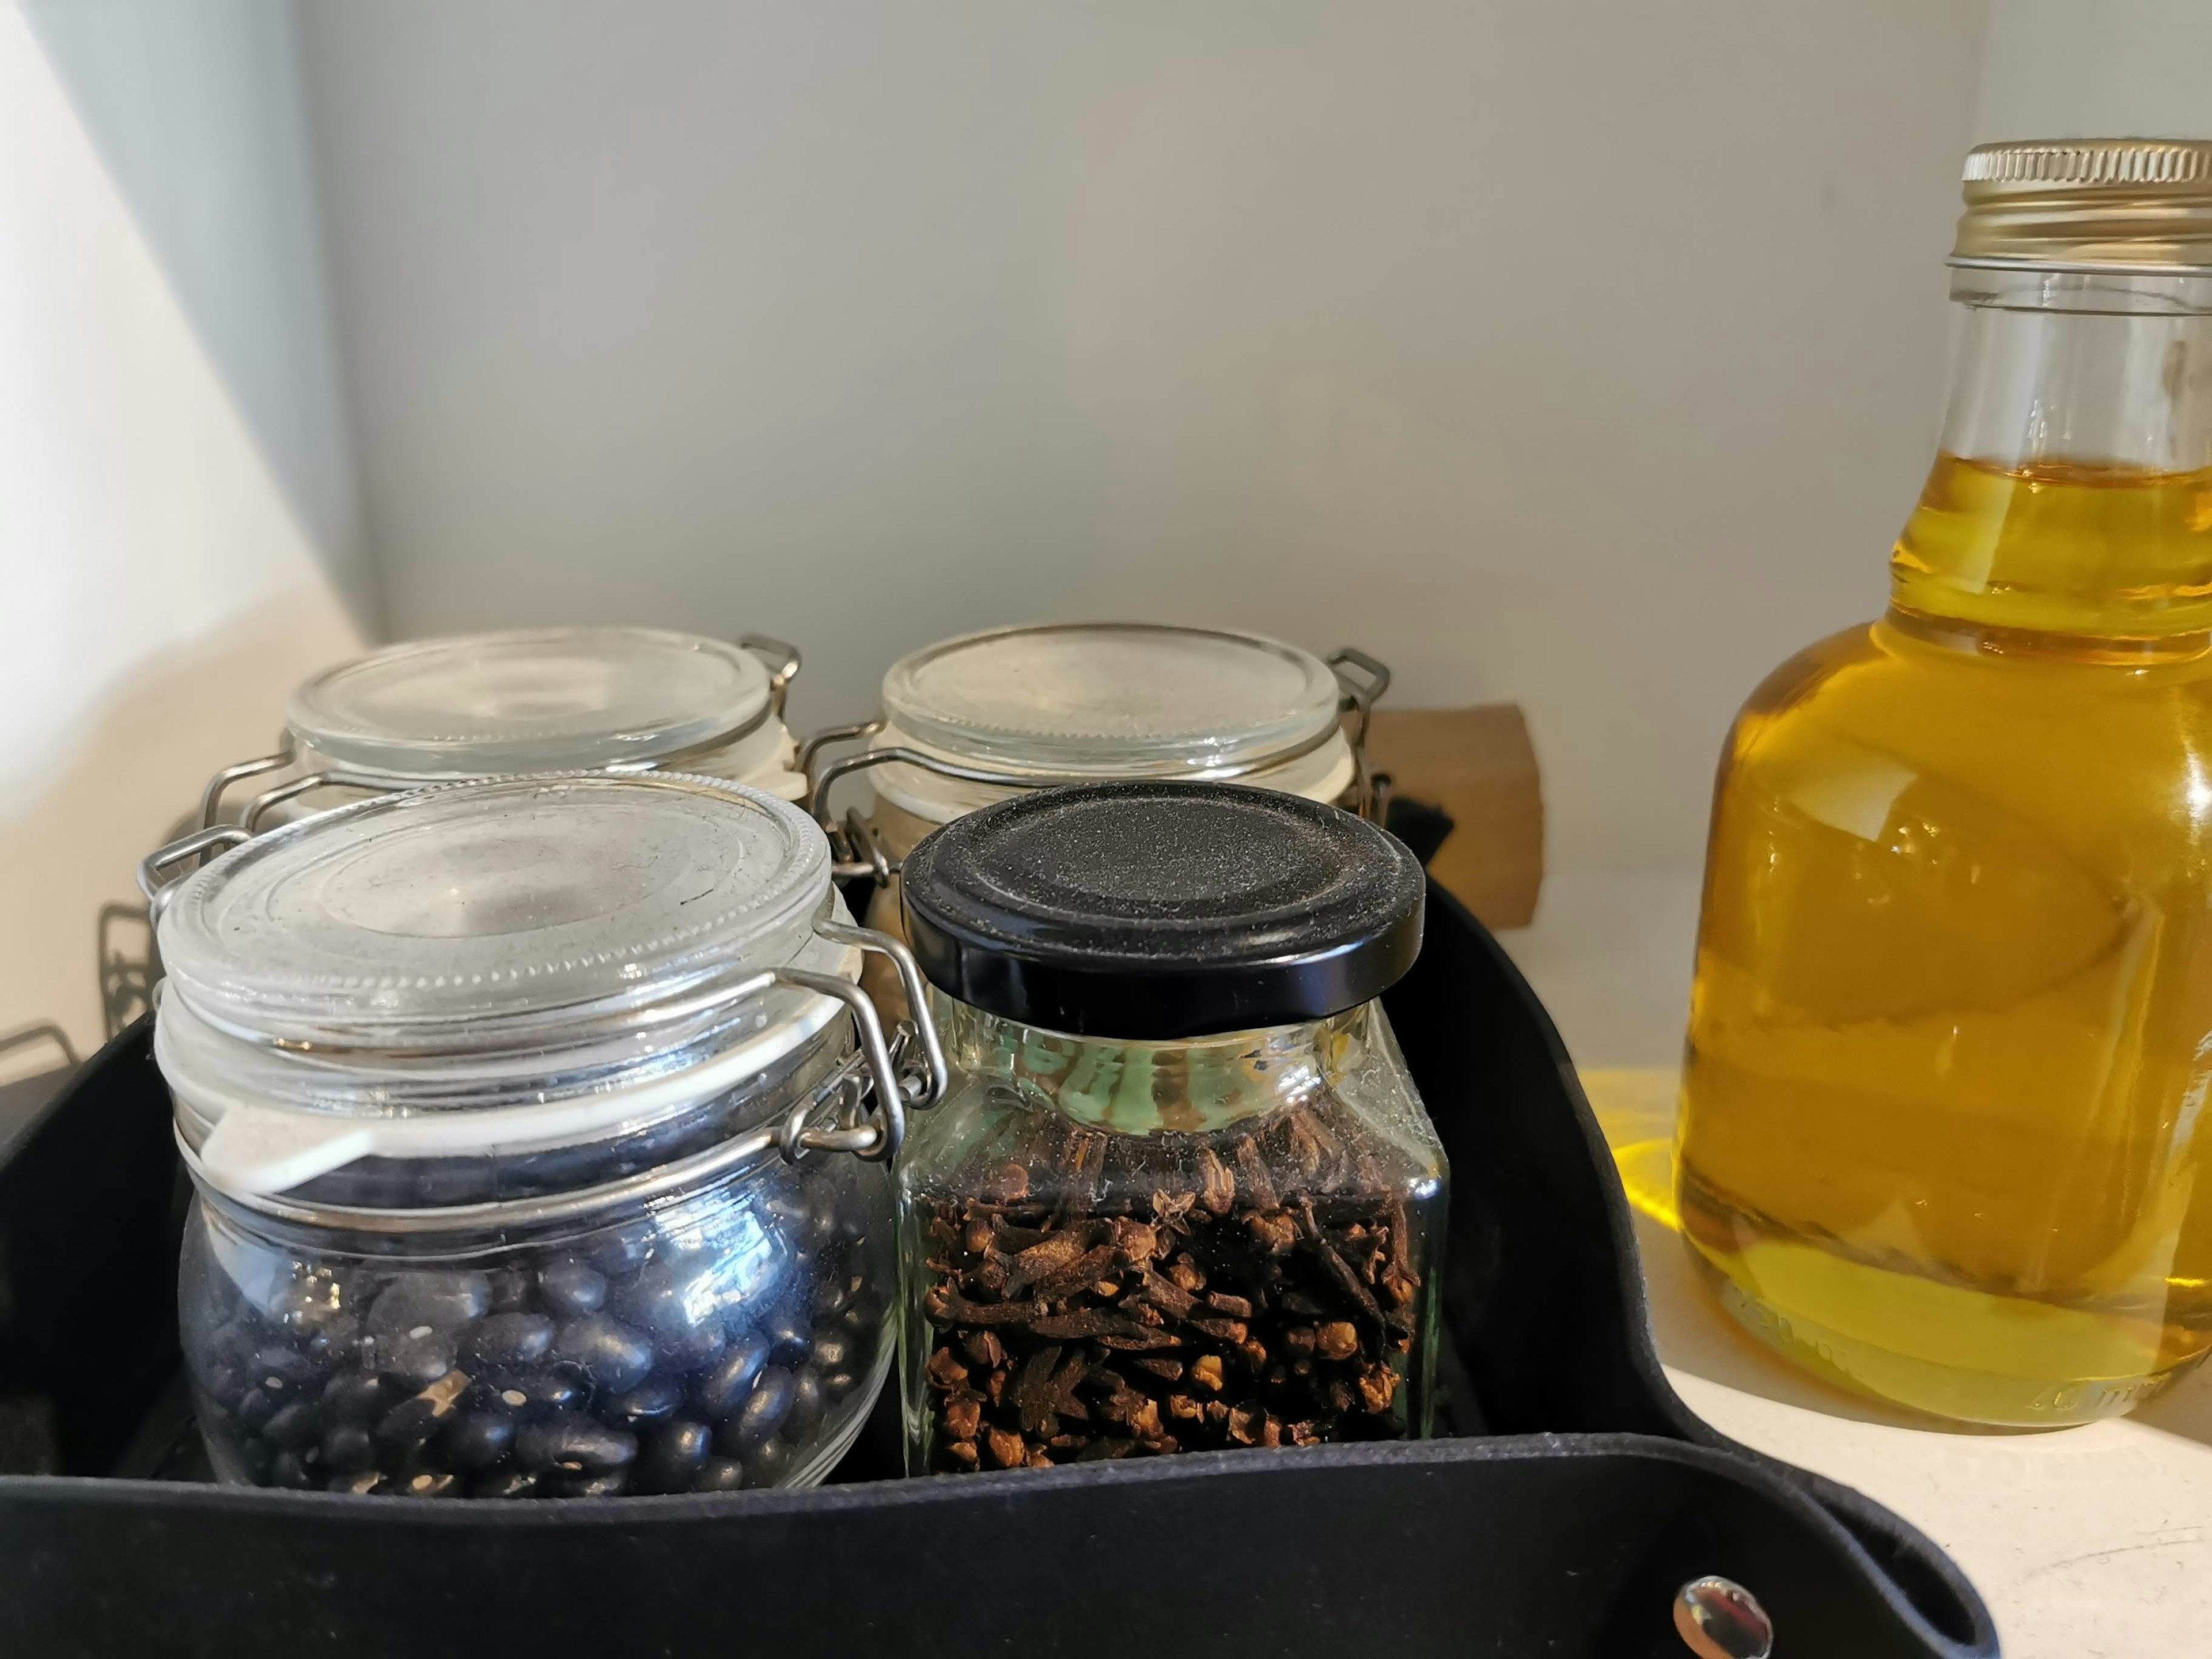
(133, 772)
(196, 113)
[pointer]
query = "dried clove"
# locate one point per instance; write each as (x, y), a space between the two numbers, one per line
(1266, 1307)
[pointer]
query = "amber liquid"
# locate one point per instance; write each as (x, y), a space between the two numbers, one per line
(1942, 1133)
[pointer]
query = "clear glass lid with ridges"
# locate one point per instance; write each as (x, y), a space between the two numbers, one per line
(1112, 699)
(478, 969)
(535, 700)
(514, 901)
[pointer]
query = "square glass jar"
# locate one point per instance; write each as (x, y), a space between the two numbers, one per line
(1182, 1194)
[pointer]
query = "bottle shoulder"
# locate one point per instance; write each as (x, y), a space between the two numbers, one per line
(1881, 682)
(2019, 757)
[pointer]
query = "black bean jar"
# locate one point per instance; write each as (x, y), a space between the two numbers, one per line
(540, 1137)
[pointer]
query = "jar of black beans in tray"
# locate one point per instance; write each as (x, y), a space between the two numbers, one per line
(540, 1136)
(1182, 1195)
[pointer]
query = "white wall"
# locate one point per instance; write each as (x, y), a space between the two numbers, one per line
(170, 562)
(1587, 354)
(2097, 69)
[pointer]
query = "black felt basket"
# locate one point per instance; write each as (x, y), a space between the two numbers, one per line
(1571, 1495)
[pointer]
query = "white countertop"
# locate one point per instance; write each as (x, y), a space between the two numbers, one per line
(2086, 1543)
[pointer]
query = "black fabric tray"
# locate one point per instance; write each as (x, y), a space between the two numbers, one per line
(1575, 1492)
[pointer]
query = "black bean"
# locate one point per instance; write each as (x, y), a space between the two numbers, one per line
(532, 1392)
(336, 1344)
(506, 1483)
(364, 1284)
(805, 1407)
(664, 1301)
(229, 1349)
(838, 1384)
(569, 1288)
(411, 1424)
(832, 1353)
(278, 1368)
(359, 1482)
(724, 1388)
(295, 1426)
(290, 1470)
(416, 1357)
(763, 1413)
(510, 1289)
(859, 1319)
(766, 1460)
(225, 1379)
(611, 1355)
(721, 1474)
(652, 1399)
(478, 1439)
(506, 1341)
(789, 1334)
(625, 1253)
(571, 1443)
(694, 1352)
(443, 1301)
(356, 1397)
(349, 1449)
(430, 1483)
(673, 1455)
(831, 1292)
(255, 1407)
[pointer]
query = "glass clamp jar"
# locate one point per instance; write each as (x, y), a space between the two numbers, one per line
(969, 720)
(1182, 1195)
(528, 701)
(539, 1133)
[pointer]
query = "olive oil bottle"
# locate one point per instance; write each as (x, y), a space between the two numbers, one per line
(1943, 1135)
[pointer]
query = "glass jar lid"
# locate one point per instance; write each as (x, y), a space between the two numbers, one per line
(533, 700)
(1112, 699)
(407, 918)
(1159, 910)
(481, 968)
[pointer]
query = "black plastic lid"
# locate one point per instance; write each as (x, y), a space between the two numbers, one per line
(1162, 910)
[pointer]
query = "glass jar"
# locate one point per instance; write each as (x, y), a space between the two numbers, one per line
(985, 716)
(539, 1135)
(523, 701)
(1941, 1136)
(1182, 1194)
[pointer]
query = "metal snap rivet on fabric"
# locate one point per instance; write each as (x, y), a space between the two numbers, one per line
(1719, 1618)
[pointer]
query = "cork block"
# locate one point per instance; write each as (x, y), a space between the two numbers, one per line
(1478, 767)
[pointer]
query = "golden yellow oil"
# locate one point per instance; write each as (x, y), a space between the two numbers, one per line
(1942, 1133)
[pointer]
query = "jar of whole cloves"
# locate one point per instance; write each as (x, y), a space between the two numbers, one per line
(1182, 1194)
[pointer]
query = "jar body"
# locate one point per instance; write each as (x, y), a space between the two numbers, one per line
(732, 1336)
(1950, 1023)
(1110, 1249)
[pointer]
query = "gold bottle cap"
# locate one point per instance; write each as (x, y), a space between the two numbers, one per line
(2134, 206)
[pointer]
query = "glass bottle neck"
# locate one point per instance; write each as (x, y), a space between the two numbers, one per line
(1192, 1086)
(2072, 495)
